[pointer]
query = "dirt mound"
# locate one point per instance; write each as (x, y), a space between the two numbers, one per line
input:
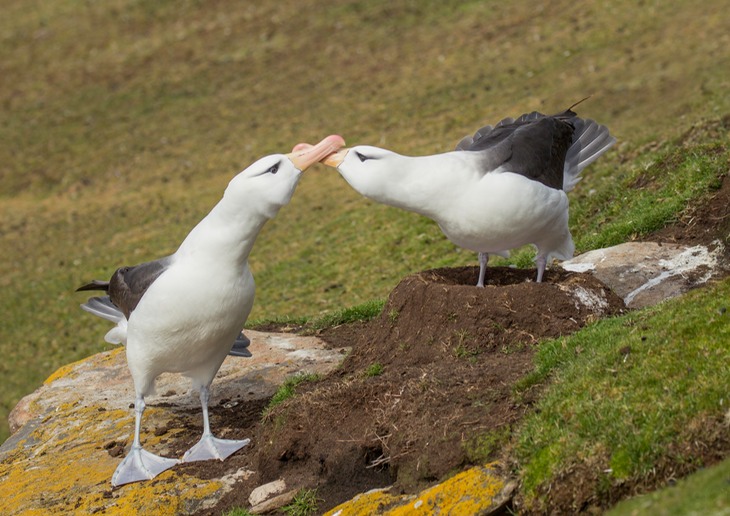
(429, 385)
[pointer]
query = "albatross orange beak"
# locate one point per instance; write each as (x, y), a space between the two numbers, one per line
(304, 155)
(334, 160)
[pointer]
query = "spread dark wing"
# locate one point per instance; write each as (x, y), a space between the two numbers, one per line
(128, 284)
(534, 145)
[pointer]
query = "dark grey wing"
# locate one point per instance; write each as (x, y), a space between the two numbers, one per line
(128, 284)
(240, 347)
(534, 146)
(468, 141)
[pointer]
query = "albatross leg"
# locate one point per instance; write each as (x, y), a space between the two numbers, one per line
(139, 464)
(210, 447)
(541, 262)
(483, 260)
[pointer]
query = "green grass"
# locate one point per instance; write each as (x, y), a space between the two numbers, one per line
(649, 196)
(704, 492)
(375, 369)
(359, 313)
(288, 389)
(238, 511)
(484, 447)
(304, 503)
(625, 390)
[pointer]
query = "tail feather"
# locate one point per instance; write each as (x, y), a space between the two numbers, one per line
(104, 308)
(118, 334)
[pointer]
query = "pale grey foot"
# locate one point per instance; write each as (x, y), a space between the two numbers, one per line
(210, 447)
(139, 464)
(483, 260)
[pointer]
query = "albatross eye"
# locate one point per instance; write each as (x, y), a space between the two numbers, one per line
(273, 169)
(361, 157)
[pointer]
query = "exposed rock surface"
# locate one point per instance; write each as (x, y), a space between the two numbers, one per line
(646, 273)
(71, 433)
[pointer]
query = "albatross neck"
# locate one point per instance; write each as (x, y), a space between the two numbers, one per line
(225, 236)
(423, 184)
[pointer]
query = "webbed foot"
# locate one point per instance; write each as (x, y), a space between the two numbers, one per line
(140, 465)
(210, 447)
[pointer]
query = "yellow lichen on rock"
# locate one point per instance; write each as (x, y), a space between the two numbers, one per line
(61, 372)
(71, 370)
(58, 461)
(365, 504)
(169, 493)
(473, 491)
(61, 467)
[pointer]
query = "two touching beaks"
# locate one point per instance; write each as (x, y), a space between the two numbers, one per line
(330, 151)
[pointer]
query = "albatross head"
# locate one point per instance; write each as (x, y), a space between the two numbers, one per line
(372, 171)
(269, 183)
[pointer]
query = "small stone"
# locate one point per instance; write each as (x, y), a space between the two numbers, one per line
(266, 491)
(116, 451)
(274, 503)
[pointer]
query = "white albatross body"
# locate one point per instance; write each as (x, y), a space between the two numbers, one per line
(503, 188)
(182, 313)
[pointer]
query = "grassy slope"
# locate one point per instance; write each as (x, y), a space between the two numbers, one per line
(688, 496)
(124, 120)
(630, 391)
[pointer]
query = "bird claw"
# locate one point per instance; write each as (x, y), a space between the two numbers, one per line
(140, 465)
(210, 447)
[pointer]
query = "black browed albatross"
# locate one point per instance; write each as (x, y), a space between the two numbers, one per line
(182, 313)
(500, 189)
